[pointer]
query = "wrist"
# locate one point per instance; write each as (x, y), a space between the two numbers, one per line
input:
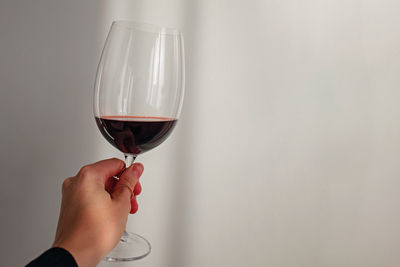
(86, 256)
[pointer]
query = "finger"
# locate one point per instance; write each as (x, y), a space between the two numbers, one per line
(110, 184)
(134, 205)
(123, 190)
(138, 189)
(102, 170)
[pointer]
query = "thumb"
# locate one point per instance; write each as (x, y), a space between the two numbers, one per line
(123, 190)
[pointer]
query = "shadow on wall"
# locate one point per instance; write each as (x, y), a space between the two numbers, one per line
(49, 57)
(49, 53)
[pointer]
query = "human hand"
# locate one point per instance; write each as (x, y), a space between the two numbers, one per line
(95, 208)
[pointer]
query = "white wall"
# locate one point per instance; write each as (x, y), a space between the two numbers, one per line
(286, 153)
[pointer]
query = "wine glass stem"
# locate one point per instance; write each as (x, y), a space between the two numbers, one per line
(124, 237)
(129, 159)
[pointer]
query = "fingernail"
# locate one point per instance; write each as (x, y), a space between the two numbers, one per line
(135, 173)
(139, 168)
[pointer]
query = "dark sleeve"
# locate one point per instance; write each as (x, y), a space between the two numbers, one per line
(54, 257)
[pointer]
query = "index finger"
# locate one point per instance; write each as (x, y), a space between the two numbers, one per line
(104, 169)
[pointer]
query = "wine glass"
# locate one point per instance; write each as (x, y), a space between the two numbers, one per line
(138, 97)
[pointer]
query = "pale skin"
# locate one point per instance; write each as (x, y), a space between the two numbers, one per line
(95, 208)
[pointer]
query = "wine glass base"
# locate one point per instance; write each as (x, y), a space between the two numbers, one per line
(131, 247)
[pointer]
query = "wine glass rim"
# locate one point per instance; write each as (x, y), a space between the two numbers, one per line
(146, 27)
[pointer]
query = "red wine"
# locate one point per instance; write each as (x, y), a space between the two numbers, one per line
(135, 135)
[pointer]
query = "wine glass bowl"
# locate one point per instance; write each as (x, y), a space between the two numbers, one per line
(138, 97)
(134, 135)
